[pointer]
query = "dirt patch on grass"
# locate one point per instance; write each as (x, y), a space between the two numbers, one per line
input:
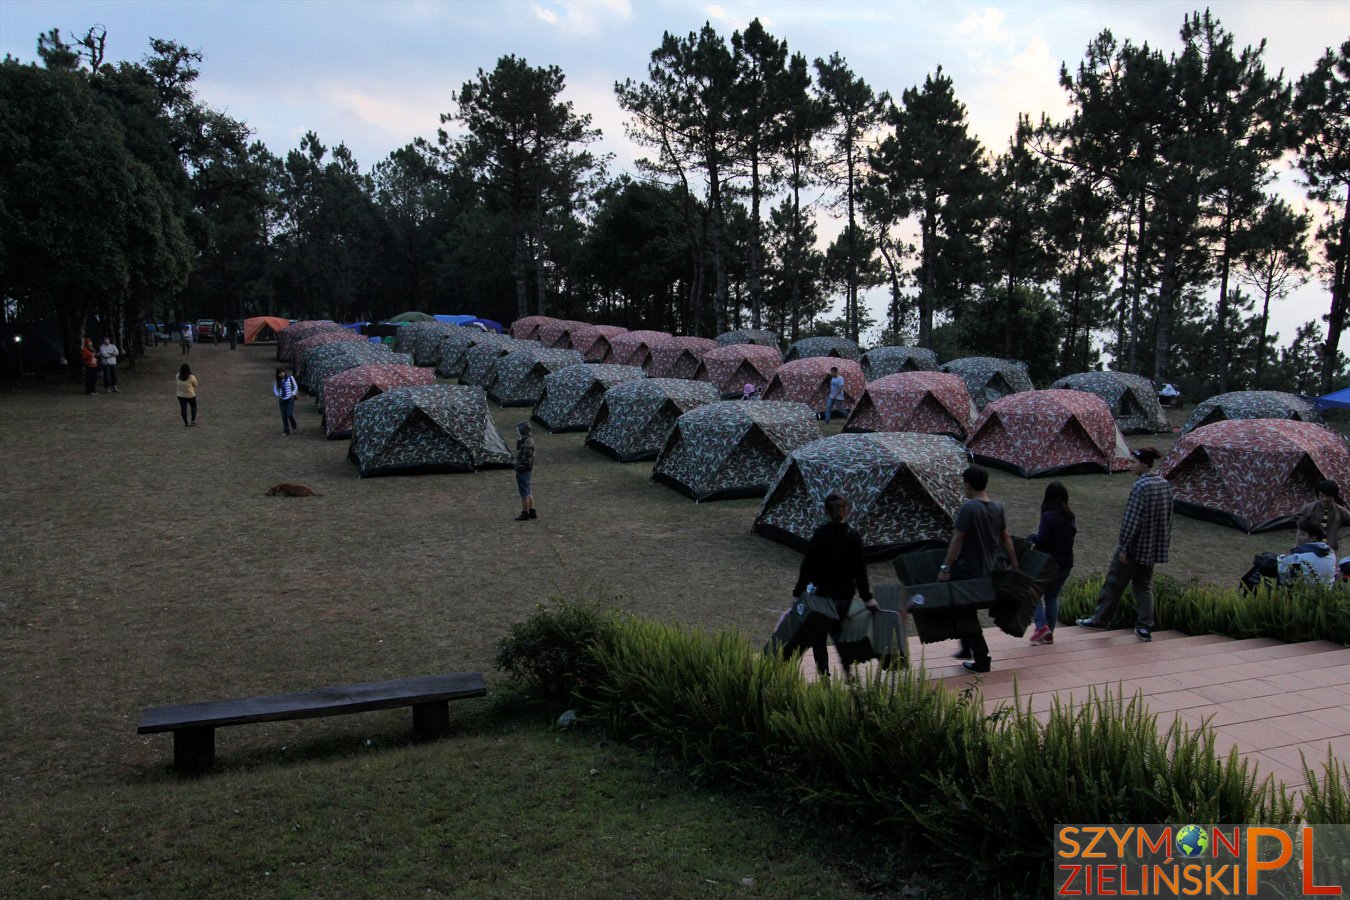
(143, 564)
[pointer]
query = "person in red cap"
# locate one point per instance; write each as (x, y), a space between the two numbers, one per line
(1145, 534)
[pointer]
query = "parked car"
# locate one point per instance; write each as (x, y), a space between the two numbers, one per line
(206, 330)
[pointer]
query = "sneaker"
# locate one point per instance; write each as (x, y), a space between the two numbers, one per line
(1145, 633)
(1087, 623)
(1038, 636)
(115, 390)
(534, 514)
(1049, 638)
(971, 666)
(523, 517)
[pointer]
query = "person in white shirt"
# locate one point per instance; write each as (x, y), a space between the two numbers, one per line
(107, 361)
(836, 392)
(285, 390)
(1311, 560)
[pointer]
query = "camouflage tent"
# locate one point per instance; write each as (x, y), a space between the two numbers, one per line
(483, 355)
(733, 448)
(1131, 398)
(320, 362)
(341, 392)
(882, 361)
(988, 378)
(297, 332)
(755, 336)
(452, 348)
(636, 417)
(517, 379)
(557, 334)
(808, 381)
(731, 367)
(593, 341)
(905, 490)
(405, 338)
(1253, 474)
(527, 329)
(921, 402)
(572, 395)
(1036, 433)
(319, 339)
(1252, 405)
(426, 428)
(807, 348)
(634, 348)
(678, 356)
(426, 342)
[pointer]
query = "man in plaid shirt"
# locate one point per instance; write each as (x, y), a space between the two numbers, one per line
(1145, 533)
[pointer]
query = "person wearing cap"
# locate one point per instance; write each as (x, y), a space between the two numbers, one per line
(749, 391)
(1327, 513)
(525, 471)
(1145, 535)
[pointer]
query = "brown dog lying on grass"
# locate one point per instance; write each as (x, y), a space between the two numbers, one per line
(286, 489)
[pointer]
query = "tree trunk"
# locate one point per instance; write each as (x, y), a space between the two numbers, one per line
(926, 291)
(719, 253)
(1222, 311)
(795, 262)
(1138, 287)
(754, 240)
(1162, 339)
(522, 294)
(1267, 289)
(1336, 315)
(851, 296)
(1124, 305)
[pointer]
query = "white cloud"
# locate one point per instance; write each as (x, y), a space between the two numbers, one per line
(986, 25)
(587, 18)
(547, 15)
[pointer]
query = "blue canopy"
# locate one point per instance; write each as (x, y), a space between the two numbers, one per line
(355, 326)
(454, 320)
(488, 323)
(1335, 400)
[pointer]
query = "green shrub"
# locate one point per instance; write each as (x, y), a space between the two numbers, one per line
(553, 654)
(1326, 799)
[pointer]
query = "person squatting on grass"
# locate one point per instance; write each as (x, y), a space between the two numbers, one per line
(1054, 535)
(107, 361)
(981, 528)
(525, 471)
(187, 394)
(1327, 513)
(1145, 534)
(90, 361)
(285, 389)
(834, 565)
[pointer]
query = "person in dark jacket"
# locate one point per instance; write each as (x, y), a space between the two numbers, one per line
(980, 530)
(834, 567)
(1054, 535)
(525, 472)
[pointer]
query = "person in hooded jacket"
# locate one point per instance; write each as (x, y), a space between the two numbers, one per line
(1311, 559)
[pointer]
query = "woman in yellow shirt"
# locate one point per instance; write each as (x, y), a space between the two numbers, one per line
(187, 394)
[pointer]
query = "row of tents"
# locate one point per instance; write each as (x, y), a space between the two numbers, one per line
(900, 462)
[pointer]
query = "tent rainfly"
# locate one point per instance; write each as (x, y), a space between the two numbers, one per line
(426, 428)
(517, 379)
(320, 339)
(1252, 405)
(756, 336)
(636, 417)
(808, 381)
(341, 392)
(412, 316)
(807, 348)
(1335, 400)
(988, 378)
(678, 356)
(483, 355)
(731, 367)
(634, 348)
(572, 395)
(921, 402)
(1131, 398)
(297, 332)
(527, 328)
(321, 362)
(557, 334)
(259, 329)
(1253, 474)
(593, 341)
(451, 348)
(1035, 433)
(905, 490)
(882, 361)
(733, 448)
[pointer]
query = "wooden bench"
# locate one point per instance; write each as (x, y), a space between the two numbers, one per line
(194, 724)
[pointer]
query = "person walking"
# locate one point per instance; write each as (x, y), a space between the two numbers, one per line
(185, 338)
(525, 471)
(1327, 513)
(981, 529)
(107, 361)
(89, 359)
(836, 394)
(187, 394)
(835, 567)
(285, 390)
(1054, 535)
(233, 329)
(1145, 535)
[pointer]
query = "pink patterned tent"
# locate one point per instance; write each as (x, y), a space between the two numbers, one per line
(808, 381)
(527, 329)
(732, 366)
(557, 333)
(344, 390)
(634, 348)
(594, 341)
(1253, 474)
(678, 356)
(1035, 433)
(923, 402)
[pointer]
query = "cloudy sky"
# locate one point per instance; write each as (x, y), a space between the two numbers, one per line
(374, 75)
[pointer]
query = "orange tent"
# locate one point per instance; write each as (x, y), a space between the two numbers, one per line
(263, 328)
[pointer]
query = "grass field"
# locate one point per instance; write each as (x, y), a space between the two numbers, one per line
(143, 565)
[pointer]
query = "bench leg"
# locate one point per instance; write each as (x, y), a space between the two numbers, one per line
(431, 720)
(194, 750)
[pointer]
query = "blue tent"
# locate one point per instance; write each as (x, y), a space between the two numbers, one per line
(490, 325)
(454, 320)
(355, 326)
(1335, 400)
